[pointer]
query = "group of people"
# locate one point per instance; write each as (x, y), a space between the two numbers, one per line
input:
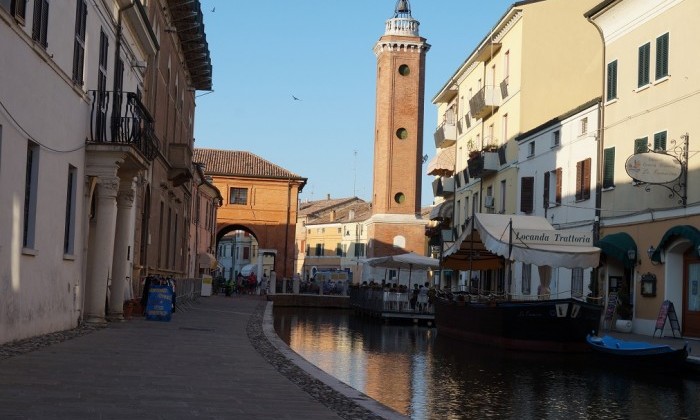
(243, 285)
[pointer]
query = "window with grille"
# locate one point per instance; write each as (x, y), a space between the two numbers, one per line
(238, 196)
(643, 65)
(319, 250)
(662, 56)
(612, 81)
(556, 139)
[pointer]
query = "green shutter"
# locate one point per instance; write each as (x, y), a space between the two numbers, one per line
(660, 141)
(609, 167)
(641, 145)
(662, 56)
(643, 71)
(612, 80)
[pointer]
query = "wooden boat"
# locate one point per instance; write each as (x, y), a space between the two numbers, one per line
(553, 325)
(638, 354)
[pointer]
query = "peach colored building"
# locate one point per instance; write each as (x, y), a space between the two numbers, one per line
(259, 197)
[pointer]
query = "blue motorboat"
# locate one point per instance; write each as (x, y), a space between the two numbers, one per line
(657, 357)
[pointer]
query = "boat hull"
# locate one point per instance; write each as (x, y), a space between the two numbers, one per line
(638, 355)
(557, 325)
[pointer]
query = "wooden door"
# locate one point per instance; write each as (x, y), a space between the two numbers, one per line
(691, 296)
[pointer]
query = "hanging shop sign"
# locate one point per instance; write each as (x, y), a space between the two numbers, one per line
(653, 168)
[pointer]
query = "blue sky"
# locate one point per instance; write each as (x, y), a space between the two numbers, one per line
(320, 51)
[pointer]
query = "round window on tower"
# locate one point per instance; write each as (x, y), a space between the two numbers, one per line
(404, 70)
(399, 198)
(402, 133)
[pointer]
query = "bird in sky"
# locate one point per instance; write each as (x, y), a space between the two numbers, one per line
(295, 98)
(213, 9)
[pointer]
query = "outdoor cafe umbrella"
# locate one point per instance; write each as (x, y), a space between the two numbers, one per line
(409, 260)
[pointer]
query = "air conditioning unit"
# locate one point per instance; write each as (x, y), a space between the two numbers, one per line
(488, 201)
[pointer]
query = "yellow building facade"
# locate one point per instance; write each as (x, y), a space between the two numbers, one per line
(650, 128)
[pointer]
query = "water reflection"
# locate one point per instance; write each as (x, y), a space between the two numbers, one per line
(417, 373)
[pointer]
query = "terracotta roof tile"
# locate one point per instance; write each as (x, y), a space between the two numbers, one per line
(240, 163)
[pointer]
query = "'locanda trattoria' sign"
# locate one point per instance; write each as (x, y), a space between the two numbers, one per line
(552, 237)
(653, 168)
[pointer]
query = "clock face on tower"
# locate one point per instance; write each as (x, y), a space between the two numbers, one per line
(404, 70)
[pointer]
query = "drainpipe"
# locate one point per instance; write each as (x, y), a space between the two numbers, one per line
(286, 229)
(599, 161)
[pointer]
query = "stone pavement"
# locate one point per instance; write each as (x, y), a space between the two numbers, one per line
(218, 358)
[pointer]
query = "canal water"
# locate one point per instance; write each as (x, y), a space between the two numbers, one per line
(422, 375)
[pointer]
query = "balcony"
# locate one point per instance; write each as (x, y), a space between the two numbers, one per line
(120, 118)
(445, 135)
(483, 163)
(443, 187)
(485, 102)
(180, 158)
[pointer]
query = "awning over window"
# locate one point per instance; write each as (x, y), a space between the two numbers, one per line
(688, 232)
(443, 210)
(620, 246)
(207, 260)
(443, 164)
(487, 237)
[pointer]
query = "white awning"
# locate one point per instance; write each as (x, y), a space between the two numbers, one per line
(487, 237)
(496, 235)
(443, 210)
(207, 260)
(443, 164)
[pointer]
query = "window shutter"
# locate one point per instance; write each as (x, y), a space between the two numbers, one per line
(643, 71)
(662, 56)
(612, 80)
(641, 145)
(36, 21)
(660, 141)
(579, 180)
(609, 167)
(44, 23)
(587, 179)
(527, 194)
(557, 197)
(546, 189)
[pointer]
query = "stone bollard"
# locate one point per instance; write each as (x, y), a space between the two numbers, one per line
(273, 283)
(284, 285)
(295, 286)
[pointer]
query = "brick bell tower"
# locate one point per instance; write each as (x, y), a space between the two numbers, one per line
(396, 226)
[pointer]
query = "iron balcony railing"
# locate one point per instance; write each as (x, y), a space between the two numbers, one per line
(121, 118)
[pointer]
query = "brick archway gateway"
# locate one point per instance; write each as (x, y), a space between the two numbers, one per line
(259, 197)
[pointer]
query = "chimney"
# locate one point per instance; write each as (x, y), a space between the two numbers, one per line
(351, 215)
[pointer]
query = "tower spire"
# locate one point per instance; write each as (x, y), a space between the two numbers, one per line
(402, 23)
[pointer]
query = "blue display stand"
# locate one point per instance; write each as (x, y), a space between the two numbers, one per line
(160, 303)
